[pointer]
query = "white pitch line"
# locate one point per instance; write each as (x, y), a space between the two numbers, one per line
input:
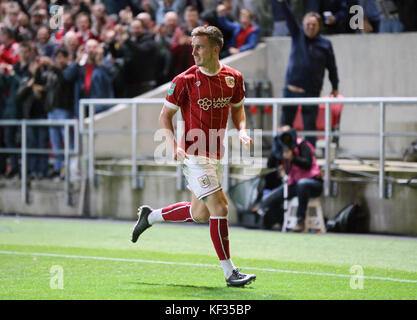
(189, 264)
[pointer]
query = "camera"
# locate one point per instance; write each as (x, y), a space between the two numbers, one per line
(282, 141)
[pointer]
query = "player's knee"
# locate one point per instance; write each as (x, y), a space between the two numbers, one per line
(221, 210)
(201, 217)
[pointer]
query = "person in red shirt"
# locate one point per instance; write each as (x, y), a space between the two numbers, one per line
(83, 25)
(9, 48)
(205, 94)
(245, 32)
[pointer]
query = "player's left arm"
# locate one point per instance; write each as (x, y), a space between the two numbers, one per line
(238, 111)
(239, 120)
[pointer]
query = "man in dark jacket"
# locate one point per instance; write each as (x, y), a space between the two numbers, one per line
(31, 96)
(91, 75)
(139, 52)
(12, 109)
(59, 103)
(311, 54)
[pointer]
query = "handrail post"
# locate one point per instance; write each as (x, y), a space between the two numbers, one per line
(327, 151)
(180, 131)
(381, 178)
(274, 119)
(91, 174)
(225, 182)
(134, 151)
(67, 163)
(24, 162)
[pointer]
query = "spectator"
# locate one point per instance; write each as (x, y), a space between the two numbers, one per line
(198, 4)
(390, 21)
(148, 22)
(181, 43)
(311, 54)
(334, 14)
(407, 10)
(165, 6)
(11, 20)
(245, 33)
(109, 45)
(9, 48)
(44, 43)
(83, 24)
(71, 44)
(115, 6)
(59, 104)
(38, 19)
(149, 6)
(25, 31)
(99, 19)
(91, 75)
(31, 96)
(163, 38)
(77, 6)
(296, 156)
(9, 84)
(210, 17)
(139, 53)
(280, 24)
(125, 16)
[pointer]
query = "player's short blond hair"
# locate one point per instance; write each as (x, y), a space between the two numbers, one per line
(215, 36)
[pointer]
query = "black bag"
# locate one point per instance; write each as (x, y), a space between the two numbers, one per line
(247, 194)
(351, 219)
(244, 196)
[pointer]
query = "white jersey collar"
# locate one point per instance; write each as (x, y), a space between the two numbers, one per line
(211, 74)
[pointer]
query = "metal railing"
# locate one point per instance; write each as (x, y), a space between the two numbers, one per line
(134, 103)
(24, 151)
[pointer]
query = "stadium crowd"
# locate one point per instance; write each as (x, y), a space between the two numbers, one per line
(52, 53)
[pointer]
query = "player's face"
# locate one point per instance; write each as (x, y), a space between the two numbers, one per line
(203, 52)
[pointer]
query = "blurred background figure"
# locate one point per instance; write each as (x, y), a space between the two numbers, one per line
(245, 32)
(181, 43)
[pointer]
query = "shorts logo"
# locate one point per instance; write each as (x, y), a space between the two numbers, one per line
(230, 81)
(204, 181)
(171, 89)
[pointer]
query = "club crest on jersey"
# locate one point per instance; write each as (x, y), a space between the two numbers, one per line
(204, 181)
(198, 83)
(171, 89)
(230, 81)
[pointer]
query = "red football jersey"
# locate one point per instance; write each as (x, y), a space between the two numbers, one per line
(205, 100)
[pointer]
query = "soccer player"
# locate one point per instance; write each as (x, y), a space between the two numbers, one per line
(204, 93)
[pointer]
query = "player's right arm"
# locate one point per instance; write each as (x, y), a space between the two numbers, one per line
(166, 122)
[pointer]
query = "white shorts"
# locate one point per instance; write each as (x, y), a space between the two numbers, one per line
(204, 175)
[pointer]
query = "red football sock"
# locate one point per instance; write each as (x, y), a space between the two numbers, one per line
(178, 212)
(219, 232)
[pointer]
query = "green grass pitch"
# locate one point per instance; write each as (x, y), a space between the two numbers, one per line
(89, 259)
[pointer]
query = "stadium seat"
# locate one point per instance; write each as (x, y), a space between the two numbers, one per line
(336, 111)
(314, 216)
